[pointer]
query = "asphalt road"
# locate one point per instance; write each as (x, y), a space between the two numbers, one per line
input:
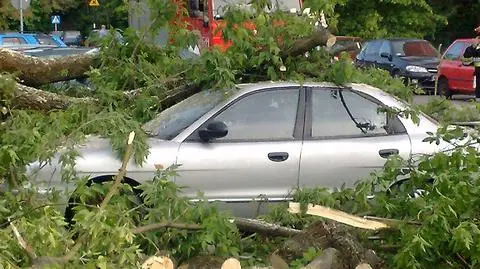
(458, 100)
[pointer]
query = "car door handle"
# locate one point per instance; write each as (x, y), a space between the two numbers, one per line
(278, 156)
(385, 153)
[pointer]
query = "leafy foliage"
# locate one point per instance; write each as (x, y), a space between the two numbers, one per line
(132, 79)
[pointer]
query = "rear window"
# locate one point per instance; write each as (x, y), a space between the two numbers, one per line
(420, 48)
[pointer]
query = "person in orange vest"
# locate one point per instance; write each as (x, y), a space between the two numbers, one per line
(471, 56)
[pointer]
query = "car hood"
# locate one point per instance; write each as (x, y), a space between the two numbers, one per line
(428, 62)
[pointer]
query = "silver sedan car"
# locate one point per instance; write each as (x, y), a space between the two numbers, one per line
(264, 140)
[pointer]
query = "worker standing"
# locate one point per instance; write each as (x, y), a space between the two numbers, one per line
(471, 56)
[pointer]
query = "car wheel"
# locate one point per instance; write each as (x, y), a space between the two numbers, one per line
(395, 74)
(443, 88)
(134, 198)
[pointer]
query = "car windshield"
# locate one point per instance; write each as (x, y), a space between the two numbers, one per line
(420, 48)
(45, 40)
(170, 122)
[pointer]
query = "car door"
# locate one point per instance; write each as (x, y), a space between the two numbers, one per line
(460, 77)
(385, 57)
(260, 155)
(372, 53)
(346, 139)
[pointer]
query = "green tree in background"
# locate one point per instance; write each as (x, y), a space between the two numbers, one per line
(37, 16)
(462, 15)
(76, 15)
(388, 18)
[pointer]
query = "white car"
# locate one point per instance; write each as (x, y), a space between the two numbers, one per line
(264, 140)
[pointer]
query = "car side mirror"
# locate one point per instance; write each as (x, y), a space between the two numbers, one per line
(214, 129)
(386, 55)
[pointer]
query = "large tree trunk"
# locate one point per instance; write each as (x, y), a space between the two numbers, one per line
(33, 71)
(25, 97)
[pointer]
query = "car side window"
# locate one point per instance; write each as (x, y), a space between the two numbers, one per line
(372, 49)
(13, 41)
(455, 51)
(385, 47)
(345, 113)
(266, 115)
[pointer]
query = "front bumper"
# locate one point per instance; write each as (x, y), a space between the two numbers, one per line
(425, 81)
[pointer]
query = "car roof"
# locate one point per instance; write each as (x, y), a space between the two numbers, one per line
(397, 39)
(374, 92)
(464, 39)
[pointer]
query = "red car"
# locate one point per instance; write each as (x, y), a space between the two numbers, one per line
(453, 76)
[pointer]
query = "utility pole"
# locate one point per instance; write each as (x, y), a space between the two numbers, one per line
(21, 16)
(20, 5)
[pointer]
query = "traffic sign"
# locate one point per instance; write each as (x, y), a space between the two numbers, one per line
(20, 4)
(55, 19)
(94, 3)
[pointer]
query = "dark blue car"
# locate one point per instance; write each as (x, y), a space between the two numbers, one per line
(414, 60)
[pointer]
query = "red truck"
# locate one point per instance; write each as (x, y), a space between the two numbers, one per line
(205, 17)
(453, 76)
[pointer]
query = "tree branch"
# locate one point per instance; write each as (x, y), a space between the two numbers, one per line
(320, 37)
(28, 249)
(259, 226)
(166, 224)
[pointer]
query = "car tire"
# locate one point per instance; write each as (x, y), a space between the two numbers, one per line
(395, 74)
(72, 202)
(443, 89)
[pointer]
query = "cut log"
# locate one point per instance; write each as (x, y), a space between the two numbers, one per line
(329, 259)
(262, 227)
(363, 266)
(158, 262)
(231, 263)
(320, 37)
(33, 71)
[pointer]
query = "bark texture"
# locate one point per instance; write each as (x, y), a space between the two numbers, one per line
(34, 71)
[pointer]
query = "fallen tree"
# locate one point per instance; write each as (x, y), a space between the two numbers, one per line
(35, 71)
(134, 80)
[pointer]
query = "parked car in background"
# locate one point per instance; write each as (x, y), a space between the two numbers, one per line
(12, 39)
(72, 38)
(414, 60)
(453, 76)
(260, 142)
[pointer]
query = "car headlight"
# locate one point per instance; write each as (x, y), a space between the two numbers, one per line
(416, 69)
